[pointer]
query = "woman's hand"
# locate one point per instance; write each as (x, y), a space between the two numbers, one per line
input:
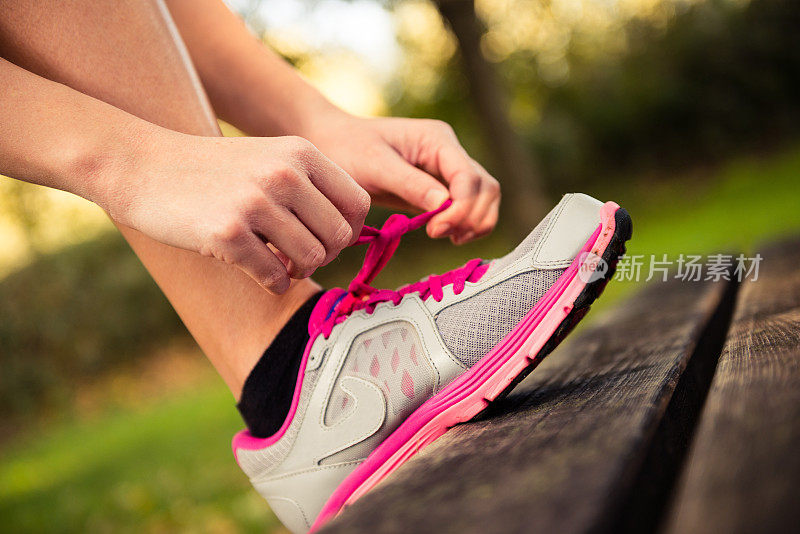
(416, 164)
(274, 207)
(404, 163)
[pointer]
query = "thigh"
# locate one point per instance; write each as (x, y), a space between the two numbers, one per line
(125, 52)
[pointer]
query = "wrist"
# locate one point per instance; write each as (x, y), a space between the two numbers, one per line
(305, 113)
(116, 167)
(321, 123)
(317, 117)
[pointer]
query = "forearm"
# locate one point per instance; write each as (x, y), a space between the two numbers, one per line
(54, 136)
(248, 85)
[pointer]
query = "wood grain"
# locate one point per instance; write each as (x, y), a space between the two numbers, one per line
(743, 473)
(563, 452)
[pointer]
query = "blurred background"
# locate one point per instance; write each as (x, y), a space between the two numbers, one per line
(683, 111)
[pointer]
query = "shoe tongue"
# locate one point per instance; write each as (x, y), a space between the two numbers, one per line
(527, 245)
(324, 308)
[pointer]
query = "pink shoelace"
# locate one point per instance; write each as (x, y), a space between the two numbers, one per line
(382, 244)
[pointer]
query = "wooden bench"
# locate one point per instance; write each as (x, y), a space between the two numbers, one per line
(676, 412)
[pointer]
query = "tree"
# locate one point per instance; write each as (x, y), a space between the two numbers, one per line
(524, 202)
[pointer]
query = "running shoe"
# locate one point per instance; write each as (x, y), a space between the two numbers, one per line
(387, 372)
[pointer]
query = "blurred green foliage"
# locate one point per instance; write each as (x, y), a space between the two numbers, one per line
(73, 314)
(718, 77)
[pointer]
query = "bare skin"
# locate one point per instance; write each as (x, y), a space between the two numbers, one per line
(132, 129)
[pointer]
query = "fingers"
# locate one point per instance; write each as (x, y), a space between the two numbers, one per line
(248, 252)
(307, 229)
(482, 218)
(475, 194)
(311, 209)
(302, 252)
(343, 193)
(280, 210)
(453, 222)
(419, 189)
(414, 186)
(324, 221)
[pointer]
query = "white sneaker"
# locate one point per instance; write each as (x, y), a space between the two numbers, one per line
(387, 372)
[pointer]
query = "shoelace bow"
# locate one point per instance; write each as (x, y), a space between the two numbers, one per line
(382, 245)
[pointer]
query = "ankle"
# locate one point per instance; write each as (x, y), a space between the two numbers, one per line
(251, 348)
(270, 385)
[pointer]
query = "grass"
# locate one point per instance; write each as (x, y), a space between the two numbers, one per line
(164, 465)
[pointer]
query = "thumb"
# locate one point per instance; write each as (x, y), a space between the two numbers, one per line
(415, 186)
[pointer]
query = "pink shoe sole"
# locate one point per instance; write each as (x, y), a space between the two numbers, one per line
(496, 374)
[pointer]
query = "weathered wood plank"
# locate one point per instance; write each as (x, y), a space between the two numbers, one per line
(743, 473)
(564, 451)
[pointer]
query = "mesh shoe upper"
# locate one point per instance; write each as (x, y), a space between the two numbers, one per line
(471, 327)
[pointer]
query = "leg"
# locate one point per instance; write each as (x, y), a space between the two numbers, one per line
(130, 55)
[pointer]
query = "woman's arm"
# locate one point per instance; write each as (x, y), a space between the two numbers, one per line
(402, 162)
(53, 136)
(215, 196)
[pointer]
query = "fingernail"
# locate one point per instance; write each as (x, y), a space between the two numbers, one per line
(435, 198)
(441, 230)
